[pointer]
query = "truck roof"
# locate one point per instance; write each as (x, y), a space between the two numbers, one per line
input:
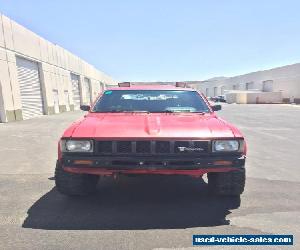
(151, 87)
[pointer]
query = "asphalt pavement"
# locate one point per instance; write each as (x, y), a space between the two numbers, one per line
(149, 212)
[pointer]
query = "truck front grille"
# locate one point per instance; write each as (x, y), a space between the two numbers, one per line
(162, 147)
(143, 147)
(152, 147)
(124, 147)
(105, 147)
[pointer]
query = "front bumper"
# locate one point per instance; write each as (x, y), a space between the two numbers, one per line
(152, 162)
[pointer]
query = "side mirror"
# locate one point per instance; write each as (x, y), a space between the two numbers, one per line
(85, 107)
(216, 107)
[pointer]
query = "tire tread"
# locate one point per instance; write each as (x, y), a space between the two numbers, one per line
(74, 184)
(229, 183)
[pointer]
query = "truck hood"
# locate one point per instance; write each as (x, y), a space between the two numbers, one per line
(137, 125)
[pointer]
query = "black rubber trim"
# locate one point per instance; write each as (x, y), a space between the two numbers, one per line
(125, 163)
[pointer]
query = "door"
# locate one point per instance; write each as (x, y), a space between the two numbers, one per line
(268, 86)
(222, 90)
(101, 87)
(215, 91)
(87, 91)
(249, 85)
(207, 92)
(2, 111)
(30, 88)
(56, 101)
(67, 100)
(75, 91)
(242, 86)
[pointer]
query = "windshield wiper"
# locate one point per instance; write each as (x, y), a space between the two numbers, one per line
(122, 111)
(135, 111)
(163, 111)
(179, 111)
(198, 112)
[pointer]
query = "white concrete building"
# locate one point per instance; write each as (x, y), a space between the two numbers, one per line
(284, 80)
(38, 77)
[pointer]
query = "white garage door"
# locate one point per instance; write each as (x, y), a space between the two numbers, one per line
(76, 91)
(56, 101)
(249, 85)
(222, 90)
(268, 86)
(30, 88)
(207, 92)
(101, 87)
(215, 91)
(87, 90)
(67, 100)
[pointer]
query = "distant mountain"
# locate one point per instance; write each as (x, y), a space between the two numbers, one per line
(219, 78)
(152, 83)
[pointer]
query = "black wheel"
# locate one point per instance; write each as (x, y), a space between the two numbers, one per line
(228, 183)
(74, 184)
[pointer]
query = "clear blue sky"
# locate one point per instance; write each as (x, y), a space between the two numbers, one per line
(167, 39)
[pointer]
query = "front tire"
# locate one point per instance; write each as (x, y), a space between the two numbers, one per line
(228, 183)
(74, 184)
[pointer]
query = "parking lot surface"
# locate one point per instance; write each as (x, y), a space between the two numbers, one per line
(148, 212)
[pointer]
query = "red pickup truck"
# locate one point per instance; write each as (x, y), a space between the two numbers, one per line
(138, 130)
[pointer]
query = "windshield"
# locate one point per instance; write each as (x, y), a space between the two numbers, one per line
(150, 101)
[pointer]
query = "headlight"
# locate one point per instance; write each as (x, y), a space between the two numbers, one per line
(77, 146)
(227, 145)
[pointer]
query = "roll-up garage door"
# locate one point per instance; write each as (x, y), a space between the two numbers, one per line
(67, 100)
(87, 90)
(30, 88)
(101, 87)
(76, 91)
(56, 101)
(268, 86)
